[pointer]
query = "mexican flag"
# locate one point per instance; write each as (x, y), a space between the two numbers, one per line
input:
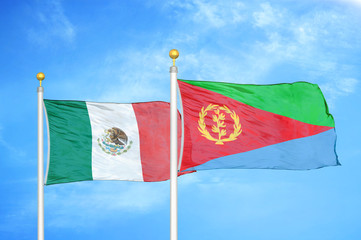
(281, 126)
(108, 141)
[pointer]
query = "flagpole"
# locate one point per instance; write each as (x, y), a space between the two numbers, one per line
(40, 76)
(173, 148)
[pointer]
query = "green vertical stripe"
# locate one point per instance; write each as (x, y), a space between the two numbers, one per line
(302, 101)
(70, 142)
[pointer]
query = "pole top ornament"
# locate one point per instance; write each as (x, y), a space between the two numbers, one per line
(40, 76)
(173, 54)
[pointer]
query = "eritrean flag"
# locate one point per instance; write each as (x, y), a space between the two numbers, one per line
(280, 126)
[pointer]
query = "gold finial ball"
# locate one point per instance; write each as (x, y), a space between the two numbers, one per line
(173, 53)
(40, 76)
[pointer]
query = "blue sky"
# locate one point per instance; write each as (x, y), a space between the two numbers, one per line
(117, 51)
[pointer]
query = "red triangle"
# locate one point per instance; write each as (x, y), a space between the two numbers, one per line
(259, 128)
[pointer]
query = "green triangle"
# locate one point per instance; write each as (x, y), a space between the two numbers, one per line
(302, 101)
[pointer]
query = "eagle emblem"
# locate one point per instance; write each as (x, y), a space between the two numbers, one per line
(114, 141)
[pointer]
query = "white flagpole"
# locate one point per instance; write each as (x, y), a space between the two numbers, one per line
(173, 148)
(40, 76)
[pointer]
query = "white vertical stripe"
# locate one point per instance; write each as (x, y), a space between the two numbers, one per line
(127, 165)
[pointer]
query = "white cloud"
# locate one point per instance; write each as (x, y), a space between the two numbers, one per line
(52, 24)
(121, 75)
(353, 2)
(218, 15)
(347, 85)
(340, 87)
(135, 76)
(304, 34)
(311, 41)
(209, 66)
(215, 14)
(284, 37)
(268, 16)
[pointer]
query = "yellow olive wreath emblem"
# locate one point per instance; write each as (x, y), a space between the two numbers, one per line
(219, 118)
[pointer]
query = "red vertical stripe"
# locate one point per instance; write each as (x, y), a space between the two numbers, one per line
(153, 120)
